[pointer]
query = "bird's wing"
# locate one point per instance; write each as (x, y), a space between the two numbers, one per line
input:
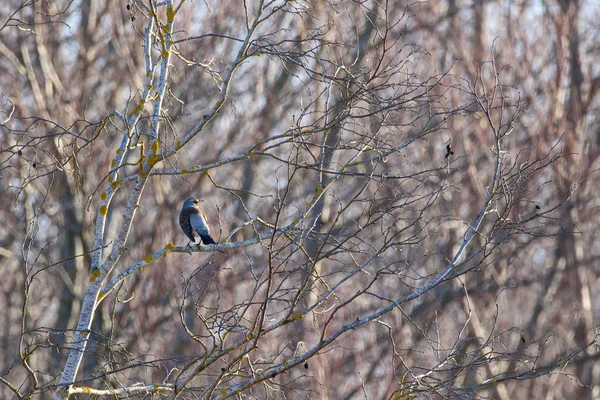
(184, 223)
(199, 224)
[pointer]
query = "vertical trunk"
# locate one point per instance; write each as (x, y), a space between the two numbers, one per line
(70, 248)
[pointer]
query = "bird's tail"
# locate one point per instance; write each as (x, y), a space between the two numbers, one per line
(207, 239)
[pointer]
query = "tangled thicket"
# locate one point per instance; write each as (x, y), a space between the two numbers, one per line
(403, 195)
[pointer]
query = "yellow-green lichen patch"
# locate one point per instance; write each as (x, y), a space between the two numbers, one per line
(149, 259)
(153, 159)
(297, 317)
(103, 210)
(170, 13)
(94, 275)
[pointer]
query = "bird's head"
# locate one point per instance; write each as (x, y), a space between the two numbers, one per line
(192, 202)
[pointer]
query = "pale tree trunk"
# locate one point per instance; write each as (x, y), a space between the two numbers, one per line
(101, 268)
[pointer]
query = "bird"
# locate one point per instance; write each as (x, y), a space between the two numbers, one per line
(448, 150)
(192, 219)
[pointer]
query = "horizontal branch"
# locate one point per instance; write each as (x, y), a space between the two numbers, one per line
(169, 248)
(536, 372)
(131, 390)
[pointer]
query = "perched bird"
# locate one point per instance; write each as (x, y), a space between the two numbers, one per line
(192, 219)
(448, 150)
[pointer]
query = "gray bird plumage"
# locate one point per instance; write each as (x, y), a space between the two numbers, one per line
(192, 219)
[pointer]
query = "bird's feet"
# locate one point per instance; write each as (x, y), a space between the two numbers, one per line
(189, 246)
